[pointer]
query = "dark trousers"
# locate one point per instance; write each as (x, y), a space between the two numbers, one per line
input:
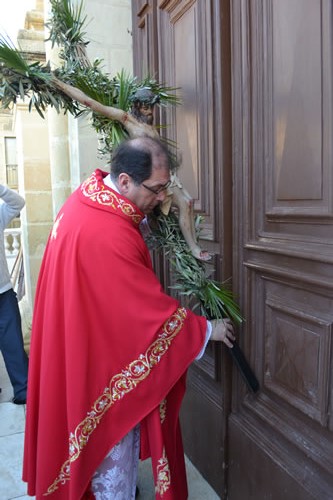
(11, 343)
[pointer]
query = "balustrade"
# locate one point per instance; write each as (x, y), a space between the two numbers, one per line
(12, 242)
(12, 239)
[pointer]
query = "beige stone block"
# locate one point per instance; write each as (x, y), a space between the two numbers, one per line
(60, 195)
(26, 319)
(34, 265)
(122, 58)
(36, 45)
(109, 30)
(37, 176)
(30, 149)
(38, 206)
(35, 141)
(60, 169)
(37, 238)
(113, 21)
(58, 124)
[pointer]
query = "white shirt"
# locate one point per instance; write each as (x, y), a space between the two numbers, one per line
(11, 204)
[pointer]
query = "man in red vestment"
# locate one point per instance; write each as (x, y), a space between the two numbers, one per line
(109, 348)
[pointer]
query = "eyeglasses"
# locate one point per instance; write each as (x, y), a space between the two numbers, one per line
(158, 190)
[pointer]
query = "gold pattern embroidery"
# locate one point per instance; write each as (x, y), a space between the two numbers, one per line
(163, 407)
(163, 475)
(120, 385)
(104, 196)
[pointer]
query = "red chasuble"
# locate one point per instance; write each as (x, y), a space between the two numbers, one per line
(109, 349)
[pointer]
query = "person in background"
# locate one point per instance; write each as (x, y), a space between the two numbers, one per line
(11, 339)
(109, 348)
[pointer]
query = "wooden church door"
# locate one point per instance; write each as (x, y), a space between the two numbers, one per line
(281, 442)
(181, 42)
(255, 131)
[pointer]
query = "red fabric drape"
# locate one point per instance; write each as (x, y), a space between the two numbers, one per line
(109, 349)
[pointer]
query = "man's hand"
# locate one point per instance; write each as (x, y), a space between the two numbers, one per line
(223, 331)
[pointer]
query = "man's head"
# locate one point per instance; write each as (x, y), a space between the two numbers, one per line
(141, 170)
(143, 103)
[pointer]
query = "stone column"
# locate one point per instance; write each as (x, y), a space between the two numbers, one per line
(37, 216)
(58, 139)
(109, 29)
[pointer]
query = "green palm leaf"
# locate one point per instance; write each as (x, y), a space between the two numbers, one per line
(66, 23)
(11, 57)
(215, 300)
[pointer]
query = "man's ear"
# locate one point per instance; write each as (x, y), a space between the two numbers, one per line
(124, 182)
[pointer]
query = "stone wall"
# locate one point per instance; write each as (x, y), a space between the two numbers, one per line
(109, 31)
(55, 154)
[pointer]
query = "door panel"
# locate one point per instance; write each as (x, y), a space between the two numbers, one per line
(281, 441)
(191, 61)
(145, 54)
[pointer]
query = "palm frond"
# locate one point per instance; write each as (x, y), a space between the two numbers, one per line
(95, 85)
(214, 300)
(126, 87)
(167, 95)
(19, 79)
(66, 23)
(11, 58)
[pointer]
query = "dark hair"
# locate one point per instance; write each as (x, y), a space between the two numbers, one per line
(135, 158)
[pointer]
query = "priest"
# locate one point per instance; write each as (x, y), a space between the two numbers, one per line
(110, 348)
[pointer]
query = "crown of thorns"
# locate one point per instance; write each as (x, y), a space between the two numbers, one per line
(145, 96)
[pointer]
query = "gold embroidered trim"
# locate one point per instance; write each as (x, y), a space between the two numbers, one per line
(104, 196)
(120, 385)
(163, 408)
(163, 475)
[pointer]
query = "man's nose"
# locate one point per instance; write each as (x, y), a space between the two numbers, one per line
(161, 195)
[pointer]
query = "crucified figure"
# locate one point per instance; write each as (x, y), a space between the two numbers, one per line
(138, 123)
(143, 110)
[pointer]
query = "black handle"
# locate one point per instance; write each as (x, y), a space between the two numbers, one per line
(245, 369)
